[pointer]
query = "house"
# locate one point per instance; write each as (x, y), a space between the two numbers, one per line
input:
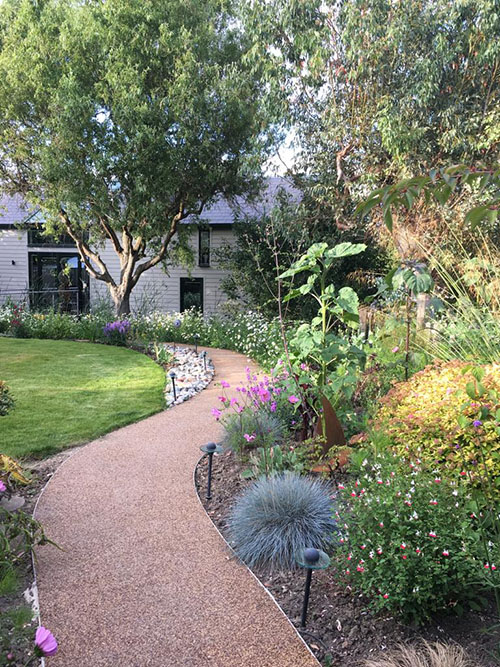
(45, 272)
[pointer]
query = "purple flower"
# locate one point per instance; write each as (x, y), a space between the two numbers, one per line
(477, 423)
(2, 487)
(272, 407)
(395, 349)
(249, 438)
(216, 413)
(45, 642)
(293, 399)
(177, 323)
(225, 384)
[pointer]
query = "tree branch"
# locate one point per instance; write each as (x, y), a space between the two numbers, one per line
(86, 253)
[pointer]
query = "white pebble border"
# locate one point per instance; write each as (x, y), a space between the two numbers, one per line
(191, 376)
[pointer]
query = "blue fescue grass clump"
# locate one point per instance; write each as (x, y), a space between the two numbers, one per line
(277, 517)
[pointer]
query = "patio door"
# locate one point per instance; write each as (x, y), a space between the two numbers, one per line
(58, 281)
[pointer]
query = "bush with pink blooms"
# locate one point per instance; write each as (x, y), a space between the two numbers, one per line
(411, 541)
(259, 415)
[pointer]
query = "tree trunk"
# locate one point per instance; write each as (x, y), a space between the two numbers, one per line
(121, 299)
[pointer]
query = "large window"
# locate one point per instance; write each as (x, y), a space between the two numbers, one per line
(36, 237)
(191, 293)
(204, 247)
(58, 281)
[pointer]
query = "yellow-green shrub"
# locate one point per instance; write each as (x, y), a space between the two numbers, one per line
(421, 416)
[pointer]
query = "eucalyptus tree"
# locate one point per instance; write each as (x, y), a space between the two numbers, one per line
(121, 118)
(381, 90)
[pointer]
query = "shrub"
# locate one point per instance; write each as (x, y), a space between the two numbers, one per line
(6, 400)
(260, 428)
(410, 541)
(424, 654)
(421, 416)
(277, 517)
(116, 332)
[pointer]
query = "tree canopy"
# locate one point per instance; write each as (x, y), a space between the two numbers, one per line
(121, 118)
(381, 90)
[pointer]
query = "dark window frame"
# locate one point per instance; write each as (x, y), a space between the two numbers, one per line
(37, 300)
(204, 255)
(184, 282)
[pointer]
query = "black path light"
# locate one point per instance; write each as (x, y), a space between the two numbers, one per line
(310, 559)
(210, 449)
(196, 341)
(204, 355)
(172, 377)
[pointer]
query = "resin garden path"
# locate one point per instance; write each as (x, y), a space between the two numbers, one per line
(144, 578)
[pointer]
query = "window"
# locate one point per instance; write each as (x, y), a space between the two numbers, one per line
(37, 238)
(191, 293)
(58, 281)
(204, 247)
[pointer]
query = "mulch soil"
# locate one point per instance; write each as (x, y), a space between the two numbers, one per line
(341, 629)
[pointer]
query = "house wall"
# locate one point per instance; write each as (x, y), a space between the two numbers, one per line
(14, 278)
(157, 290)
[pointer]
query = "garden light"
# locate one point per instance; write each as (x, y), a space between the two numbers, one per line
(204, 355)
(196, 340)
(310, 559)
(172, 377)
(210, 449)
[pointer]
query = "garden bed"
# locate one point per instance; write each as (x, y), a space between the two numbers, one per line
(341, 629)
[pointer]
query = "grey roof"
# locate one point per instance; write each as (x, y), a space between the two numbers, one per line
(13, 210)
(223, 212)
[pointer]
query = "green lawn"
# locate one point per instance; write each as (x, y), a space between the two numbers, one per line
(68, 393)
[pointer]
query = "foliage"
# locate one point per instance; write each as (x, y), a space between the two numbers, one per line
(266, 246)
(20, 534)
(6, 400)
(276, 517)
(260, 417)
(262, 428)
(424, 654)
(11, 472)
(420, 417)
(319, 355)
(72, 392)
(138, 116)
(363, 122)
(409, 540)
(277, 459)
(441, 185)
(163, 356)
(115, 333)
(247, 332)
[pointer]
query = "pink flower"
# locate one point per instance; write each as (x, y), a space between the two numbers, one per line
(438, 480)
(446, 552)
(405, 557)
(381, 524)
(249, 438)
(303, 367)
(222, 399)
(233, 401)
(293, 399)
(360, 568)
(432, 534)
(216, 413)
(2, 487)
(385, 596)
(403, 545)
(45, 642)
(225, 384)
(395, 349)
(272, 407)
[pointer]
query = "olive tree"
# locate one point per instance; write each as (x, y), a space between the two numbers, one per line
(120, 119)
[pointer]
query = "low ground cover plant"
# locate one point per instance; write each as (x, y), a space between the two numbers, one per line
(277, 517)
(409, 540)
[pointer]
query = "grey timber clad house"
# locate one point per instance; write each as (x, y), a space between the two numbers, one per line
(43, 272)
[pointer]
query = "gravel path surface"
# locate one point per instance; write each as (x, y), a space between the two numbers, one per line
(144, 578)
